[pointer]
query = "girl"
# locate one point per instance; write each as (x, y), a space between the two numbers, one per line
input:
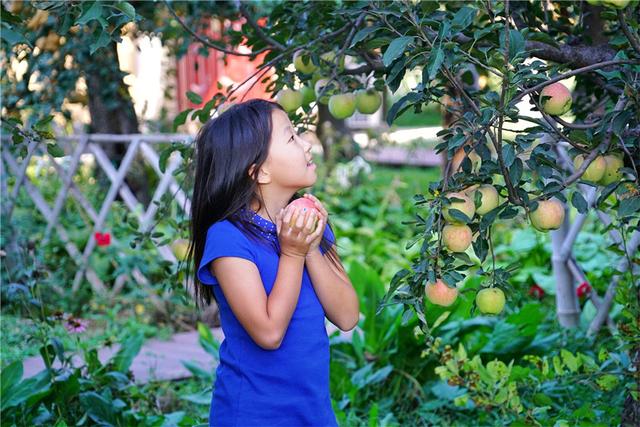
(274, 278)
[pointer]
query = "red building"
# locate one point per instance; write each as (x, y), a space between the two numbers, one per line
(201, 75)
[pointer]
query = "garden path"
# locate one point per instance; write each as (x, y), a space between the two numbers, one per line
(161, 360)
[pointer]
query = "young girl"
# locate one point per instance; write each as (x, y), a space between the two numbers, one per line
(273, 277)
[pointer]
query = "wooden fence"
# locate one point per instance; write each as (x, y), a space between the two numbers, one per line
(74, 147)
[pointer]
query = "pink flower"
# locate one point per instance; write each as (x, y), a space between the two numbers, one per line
(583, 290)
(536, 291)
(75, 325)
(103, 239)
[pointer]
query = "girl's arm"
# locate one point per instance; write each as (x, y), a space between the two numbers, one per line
(265, 318)
(334, 290)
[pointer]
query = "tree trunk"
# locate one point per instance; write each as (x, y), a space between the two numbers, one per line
(567, 306)
(112, 112)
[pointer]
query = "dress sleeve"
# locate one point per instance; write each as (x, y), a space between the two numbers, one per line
(223, 240)
(331, 238)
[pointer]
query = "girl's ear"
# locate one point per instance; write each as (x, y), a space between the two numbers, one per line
(263, 174)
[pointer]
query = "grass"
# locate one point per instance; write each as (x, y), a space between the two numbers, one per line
(429, 116)
(414, 179)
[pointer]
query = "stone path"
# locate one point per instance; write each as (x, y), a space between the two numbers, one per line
(162, 359)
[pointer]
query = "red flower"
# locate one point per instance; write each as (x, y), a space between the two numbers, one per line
(536, 291)
(103, 239)
(583, 290)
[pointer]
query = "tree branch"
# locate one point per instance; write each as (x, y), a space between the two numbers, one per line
(575, 125)
(607, 301)
(261, 34)
(572, 56)
(206, 41)
(627, 32)
(580, 277)
(592, 67)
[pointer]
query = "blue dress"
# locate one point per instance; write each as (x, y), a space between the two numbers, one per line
(288, 386)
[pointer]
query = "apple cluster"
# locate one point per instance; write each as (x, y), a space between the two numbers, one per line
(555, 100)
(457, 237)
(341, 104)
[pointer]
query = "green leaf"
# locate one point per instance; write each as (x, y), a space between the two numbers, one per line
(92, 11)
(543, 37)
(459, 215)
(127, 352)
(362, 34)
(33, 388)
(435, 61)
(606, 192)
(607, 382)
(207, 341)
(516, 43)
(197, 370)
(621, 120)
(489, 218)
(628, 206)
(508, 154)
(570, 361)
(395, 76)
(102, 41)
(55, 150)
(411, 98)
(10, 376)
(395, 49)
(181, 118)
(127, 9)
(100, 409)
(579, 202)
(164, 156)
(42, 123)
(515, 171)
(12, 37)
(541, 399)
(463, 18)
(194, 97)
(397, 280)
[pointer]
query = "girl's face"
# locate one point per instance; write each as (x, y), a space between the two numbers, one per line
(289, 156)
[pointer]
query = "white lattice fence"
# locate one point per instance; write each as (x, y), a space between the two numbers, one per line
(75, 147)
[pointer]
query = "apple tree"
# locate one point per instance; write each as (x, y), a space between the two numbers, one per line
(522, 146)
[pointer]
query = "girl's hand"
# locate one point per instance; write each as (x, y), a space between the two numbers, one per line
(295, 235)
(324, 215)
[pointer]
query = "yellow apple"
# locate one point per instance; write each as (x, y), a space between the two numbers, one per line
(612, 171)
(342, 105)
(305, 67)
(595, 170)
(549, 215)
(368, 101)
(466, 206)
(490, 300)
(489, 198)
(180, 248)
(290, 99)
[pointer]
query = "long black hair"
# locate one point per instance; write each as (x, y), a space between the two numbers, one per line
(225, 148)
